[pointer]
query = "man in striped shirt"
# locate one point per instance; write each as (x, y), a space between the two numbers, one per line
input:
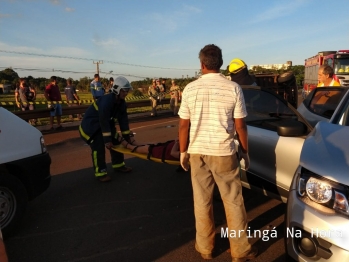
(212, 111)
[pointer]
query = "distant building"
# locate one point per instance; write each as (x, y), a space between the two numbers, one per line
(5, 88)
(273, 66)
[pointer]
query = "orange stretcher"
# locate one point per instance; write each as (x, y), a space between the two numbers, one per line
(121, 149)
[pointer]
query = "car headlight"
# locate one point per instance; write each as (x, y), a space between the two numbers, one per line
(318, 191)
(323, 191)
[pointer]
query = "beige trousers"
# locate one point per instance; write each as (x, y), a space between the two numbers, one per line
(225, 171)
(154, 104)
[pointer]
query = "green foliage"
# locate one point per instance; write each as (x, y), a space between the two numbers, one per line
(298, 71)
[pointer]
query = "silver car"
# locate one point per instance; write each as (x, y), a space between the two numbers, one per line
(284, 148)
(317, 220)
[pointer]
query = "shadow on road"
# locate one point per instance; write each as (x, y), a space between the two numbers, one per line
(143, 216)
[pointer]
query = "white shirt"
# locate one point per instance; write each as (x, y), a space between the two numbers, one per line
(211, 103)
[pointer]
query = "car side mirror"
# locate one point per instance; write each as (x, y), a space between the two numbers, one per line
(291, 128)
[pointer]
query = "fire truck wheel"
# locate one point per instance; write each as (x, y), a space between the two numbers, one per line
(285, 77)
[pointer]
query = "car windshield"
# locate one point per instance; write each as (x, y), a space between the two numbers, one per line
(341, 66)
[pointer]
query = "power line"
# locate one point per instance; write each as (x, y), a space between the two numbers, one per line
(88, 59)
(42, 70)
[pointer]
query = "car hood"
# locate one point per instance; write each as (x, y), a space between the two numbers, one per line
(326, 152)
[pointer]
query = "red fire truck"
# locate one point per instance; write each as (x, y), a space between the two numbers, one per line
(338, 60)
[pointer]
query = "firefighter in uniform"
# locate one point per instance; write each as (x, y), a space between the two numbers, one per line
(239, 73)
(98, 129)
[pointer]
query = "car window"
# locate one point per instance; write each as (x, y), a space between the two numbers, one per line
(265, 110)
(325, 102)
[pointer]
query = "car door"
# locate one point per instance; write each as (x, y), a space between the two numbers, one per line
(274, 158)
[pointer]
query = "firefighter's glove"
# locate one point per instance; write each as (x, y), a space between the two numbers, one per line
(185, 160)
(109, 145)
(246, 158)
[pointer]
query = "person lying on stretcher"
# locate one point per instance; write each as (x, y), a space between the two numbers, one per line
(164, 151)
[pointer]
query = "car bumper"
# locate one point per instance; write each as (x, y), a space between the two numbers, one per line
(323, 234)
(33, 172)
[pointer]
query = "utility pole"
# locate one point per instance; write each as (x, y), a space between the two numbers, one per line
(99, 62)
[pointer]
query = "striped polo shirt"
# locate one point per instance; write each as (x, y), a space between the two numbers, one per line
(210, 103)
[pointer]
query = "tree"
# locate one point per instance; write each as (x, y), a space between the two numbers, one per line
(298, 71)
(9, 76)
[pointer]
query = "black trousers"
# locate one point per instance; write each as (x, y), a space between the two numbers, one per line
(98, 156)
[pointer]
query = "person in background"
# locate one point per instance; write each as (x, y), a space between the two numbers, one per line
(98, 129)
(25, 97)
(53, 96)
(325, 76)
(71, 96)
(153, 93)
(212, 110)
(163, 82)
(3, 253)
(161, 91)
(174, 91)
(111, 84)
(97, 88)
(239, 73)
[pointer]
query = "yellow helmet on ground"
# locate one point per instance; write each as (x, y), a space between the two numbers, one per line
(236, 65)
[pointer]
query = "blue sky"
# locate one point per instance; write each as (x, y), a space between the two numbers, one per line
(141, 39)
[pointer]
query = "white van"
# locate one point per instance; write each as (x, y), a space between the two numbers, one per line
(24, 168)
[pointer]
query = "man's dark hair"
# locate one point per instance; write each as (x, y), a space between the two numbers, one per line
(327, 70)
(69, 82)
(211, 57)
(111, 79)
(96, 75)
(53, 78)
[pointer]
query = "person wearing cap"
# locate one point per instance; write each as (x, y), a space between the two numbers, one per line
(98, 129)
(239, 73)
(153, 92)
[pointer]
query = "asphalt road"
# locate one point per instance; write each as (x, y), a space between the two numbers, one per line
(146, 215)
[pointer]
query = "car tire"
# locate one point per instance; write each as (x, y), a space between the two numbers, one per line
(13, 202)
(285, 77)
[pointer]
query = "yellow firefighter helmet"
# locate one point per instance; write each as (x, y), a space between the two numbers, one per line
(236, 65)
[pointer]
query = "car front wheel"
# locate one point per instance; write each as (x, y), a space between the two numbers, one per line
(13, 202)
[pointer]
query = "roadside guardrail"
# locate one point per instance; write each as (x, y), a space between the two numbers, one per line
(78, 109)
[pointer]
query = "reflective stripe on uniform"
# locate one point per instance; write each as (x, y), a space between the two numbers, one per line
(118, 165)
(83, 134)
(126, 132)
(106, 134)
(100, 174)
(95, 162)
(95, 106)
